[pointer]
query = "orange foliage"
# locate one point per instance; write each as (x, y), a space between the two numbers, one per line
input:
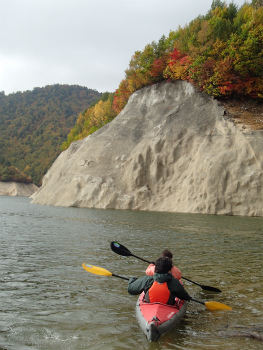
(178, 66)
(121, 96)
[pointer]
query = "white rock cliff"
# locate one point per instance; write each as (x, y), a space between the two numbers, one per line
(170, 149)
(17, 189)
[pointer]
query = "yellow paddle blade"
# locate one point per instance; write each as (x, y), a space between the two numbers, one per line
(96, 270)
(215, 305)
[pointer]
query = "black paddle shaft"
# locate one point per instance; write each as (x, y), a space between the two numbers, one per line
(124, 278)
(208, 288)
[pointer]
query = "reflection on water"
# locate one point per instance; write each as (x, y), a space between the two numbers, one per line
(49, 302)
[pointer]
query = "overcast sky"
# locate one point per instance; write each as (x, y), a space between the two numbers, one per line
(83, 42)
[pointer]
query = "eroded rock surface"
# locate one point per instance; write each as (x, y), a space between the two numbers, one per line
(170, 149)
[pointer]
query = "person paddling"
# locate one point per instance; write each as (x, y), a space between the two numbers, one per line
(162, 287)
(174, 270)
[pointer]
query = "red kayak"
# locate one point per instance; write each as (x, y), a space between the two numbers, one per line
(156, 319)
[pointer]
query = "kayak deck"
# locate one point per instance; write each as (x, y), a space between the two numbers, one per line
(156, 319)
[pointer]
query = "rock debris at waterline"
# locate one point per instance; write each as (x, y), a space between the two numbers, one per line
(17, 189)
(170, 149)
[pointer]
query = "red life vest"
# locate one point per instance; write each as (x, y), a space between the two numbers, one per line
(159, 293)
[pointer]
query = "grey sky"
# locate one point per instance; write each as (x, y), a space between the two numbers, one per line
(83, 42)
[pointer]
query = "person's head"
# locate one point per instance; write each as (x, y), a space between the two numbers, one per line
(163, 265)
(167, 253)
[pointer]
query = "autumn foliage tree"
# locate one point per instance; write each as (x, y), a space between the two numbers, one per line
(99, 114)
(10, 173)
(220, 53)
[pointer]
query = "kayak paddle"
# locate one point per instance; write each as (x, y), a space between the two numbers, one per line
(122, 250)
(213, 305)
(100, 271)
(210, 305)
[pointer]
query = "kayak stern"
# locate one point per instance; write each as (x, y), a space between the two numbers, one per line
(156, 319)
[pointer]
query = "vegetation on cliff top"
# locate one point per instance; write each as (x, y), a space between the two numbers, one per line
(33, 124)
(221, 53)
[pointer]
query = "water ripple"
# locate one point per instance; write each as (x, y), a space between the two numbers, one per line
(47, 301)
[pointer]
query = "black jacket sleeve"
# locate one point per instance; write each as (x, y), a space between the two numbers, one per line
(136, 286)
(177, 289)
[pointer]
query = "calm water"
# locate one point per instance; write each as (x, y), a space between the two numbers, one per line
(47, 301)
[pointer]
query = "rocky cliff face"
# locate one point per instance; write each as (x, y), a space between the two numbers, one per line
(170, 149)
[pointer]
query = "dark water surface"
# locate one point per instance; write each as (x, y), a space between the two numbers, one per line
(47, 301)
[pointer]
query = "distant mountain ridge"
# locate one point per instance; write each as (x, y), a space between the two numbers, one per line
(33, 125)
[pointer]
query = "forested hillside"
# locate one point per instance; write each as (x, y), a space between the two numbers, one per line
(221, 53)
(33, 125)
